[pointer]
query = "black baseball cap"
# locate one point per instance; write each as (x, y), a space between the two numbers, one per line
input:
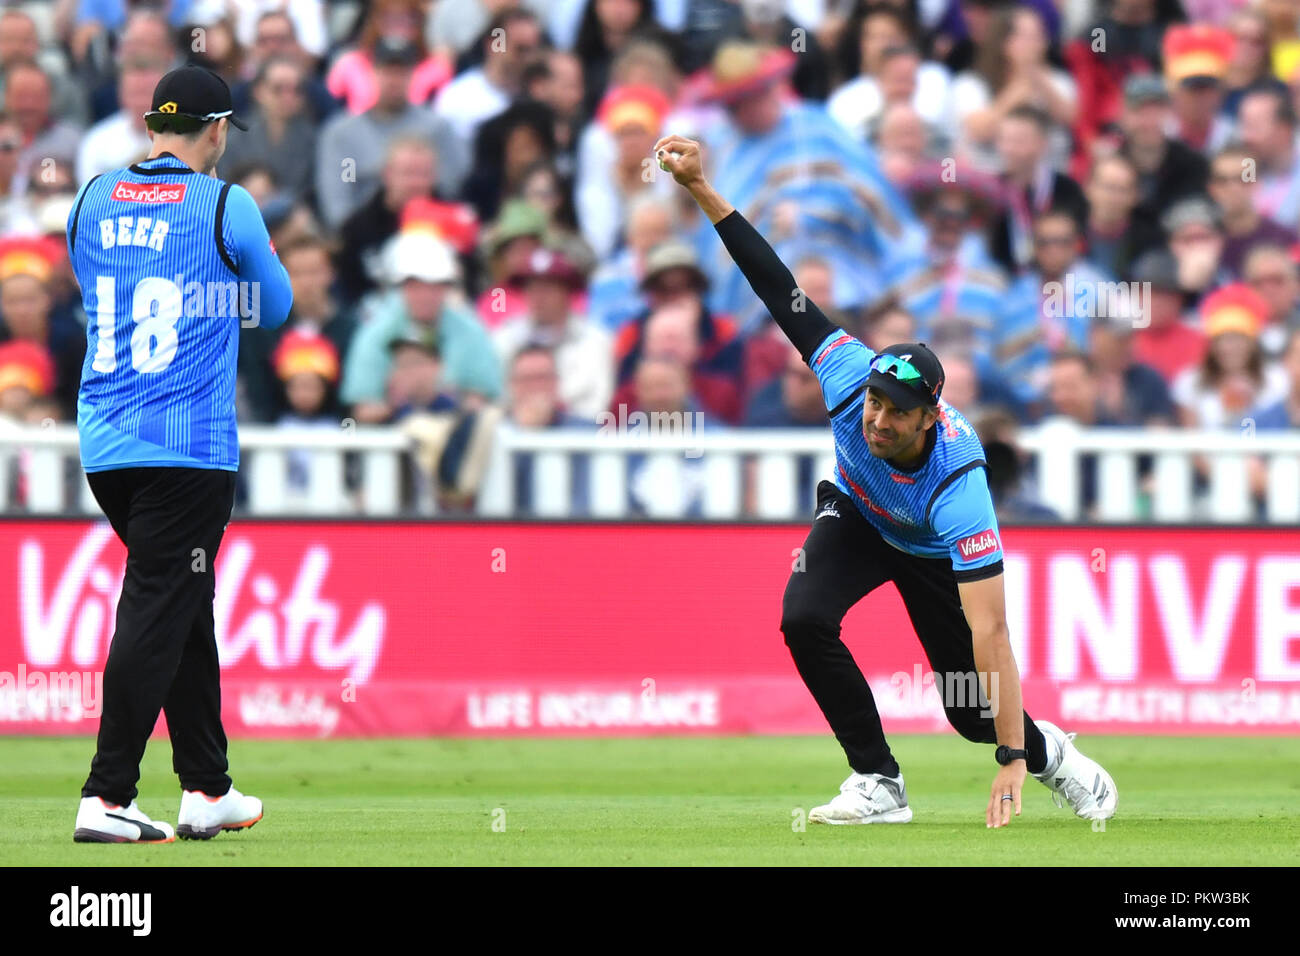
(194, 94)
(904, 389)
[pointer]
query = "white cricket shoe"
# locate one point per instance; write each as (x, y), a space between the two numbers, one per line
(203, 817)
(99, 821)
(1082, 782)
(866, 798)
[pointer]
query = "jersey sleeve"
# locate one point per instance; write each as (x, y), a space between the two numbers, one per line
(963, 517)
(256, 261)
(841, 363)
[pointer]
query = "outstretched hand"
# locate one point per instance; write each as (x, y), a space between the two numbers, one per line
(681, 157)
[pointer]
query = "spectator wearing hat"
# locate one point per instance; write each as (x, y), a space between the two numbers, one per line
(121, 139)
(1162, 339)
(1049, 308)
(614, 295)
(306, 367)
(410, 172)
(1030, 186)
(1011, 69)
(1235, 376)
(26, 376)
(1167, 169)
(353, 76)
(1273, 272)
(950, 284)
(583, 352)
(633, 116)
(1267, 129)
(422, 277)
(880, 34)
(281, 133)
(801, 179)
(27, 98)
(25, 306)
(1196, 58)
(1233, 188)
(1114, 236)
(680, 325)
(508, 244)
(1196, 239)
(354, 148)
(481, 92)
(314, 313)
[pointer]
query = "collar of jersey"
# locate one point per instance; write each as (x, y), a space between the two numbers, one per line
(179, 169)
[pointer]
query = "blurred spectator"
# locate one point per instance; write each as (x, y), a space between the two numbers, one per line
(26, 377)
(314, 313)
(1032, 186)
(555, 79)
(307, 16)
(1233, 187)
(888, 325)
(1285, 412)
(1249, 66)
(1115, 237)
(455, 27)
(27, 98)
(122, 139)
(25, 317)
(507, 145)
(415, 376)
(1273, 273)
(951, 286)
(1130, 392)
(681, 326)
(1073, 393)
(533, 402)
(882, 29)
(1167, 169)
(217, 48)
(903, 141)
(1165, 342)
(960, 383)
(541, 186)
(583, 352)
(275, 37)
(802, 181)
(306, 368)
(280, 132)
(1011, 69)
(1196, 61)
(768, 23)
(1009, 480)
(410, 172)
(634, 117)
(15, 209)
(1234, 376)
(606, 30)
(1049, 308)
(353, 77)
(614, 296)
(507, 246)
(422, 274)
(792, 400)
(354, 148)
(20, 42)
(482, 92)
(661, 388)
(1267, 129)
(1197, 242)
(145, 38)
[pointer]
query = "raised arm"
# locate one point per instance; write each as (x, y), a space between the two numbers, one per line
(798, 316)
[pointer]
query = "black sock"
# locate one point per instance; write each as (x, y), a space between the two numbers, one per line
(1036, 744)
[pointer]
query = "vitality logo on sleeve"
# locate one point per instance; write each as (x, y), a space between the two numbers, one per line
(977, 544)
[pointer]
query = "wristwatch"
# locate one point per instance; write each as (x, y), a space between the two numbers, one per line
(1004, 755)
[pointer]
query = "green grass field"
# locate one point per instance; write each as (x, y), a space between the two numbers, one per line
(719, 801)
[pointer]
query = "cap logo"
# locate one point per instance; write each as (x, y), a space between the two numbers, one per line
(168, 107)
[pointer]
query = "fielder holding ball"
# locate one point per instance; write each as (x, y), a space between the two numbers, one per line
(910, 504)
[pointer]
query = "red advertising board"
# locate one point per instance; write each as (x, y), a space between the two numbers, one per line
(368, 629)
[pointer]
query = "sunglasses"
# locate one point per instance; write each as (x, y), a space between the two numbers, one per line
(901, 369)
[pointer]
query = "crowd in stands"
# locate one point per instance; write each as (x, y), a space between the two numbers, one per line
(1088, 208)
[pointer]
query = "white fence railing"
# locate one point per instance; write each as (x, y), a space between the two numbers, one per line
(1140, 475)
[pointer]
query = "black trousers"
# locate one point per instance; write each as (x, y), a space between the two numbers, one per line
(164, 650)
(845, 559)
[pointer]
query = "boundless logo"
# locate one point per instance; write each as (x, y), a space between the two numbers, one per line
(978, 544)
(151, 193)
(830, 511)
